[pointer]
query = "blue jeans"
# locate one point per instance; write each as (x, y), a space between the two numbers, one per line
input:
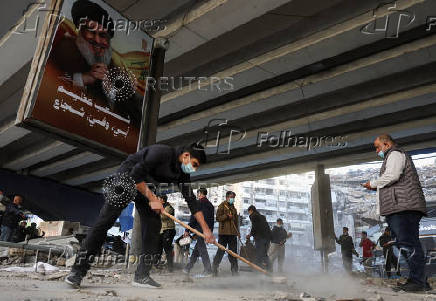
(405, 230)
(6, 234)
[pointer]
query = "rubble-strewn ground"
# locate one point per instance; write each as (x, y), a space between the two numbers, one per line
(114, 284)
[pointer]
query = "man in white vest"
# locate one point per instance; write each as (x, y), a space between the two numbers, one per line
(401, 201)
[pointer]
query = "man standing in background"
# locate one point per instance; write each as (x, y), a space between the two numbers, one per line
(261, 232)
(200, 249)
(277, 248)
(388, 253)
(11, 218)
(228, 232)
(367, 245)
(167, 232)
(347, 249)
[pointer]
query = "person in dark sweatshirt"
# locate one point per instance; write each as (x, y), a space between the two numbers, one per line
(386, 242)
(277, 248)
(261, 232)
(200, 249)
(347, 249)
(157, 165)
(11, 218)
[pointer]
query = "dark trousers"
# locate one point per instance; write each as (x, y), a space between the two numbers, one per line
(232, 243)
(200, 250)
(262, 246)
(405, 230)
(347, 261)
(6, 233)
(166, 244)
(150, 230)
(391, 262)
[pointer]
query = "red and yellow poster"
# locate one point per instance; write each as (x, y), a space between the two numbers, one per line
(94, 77)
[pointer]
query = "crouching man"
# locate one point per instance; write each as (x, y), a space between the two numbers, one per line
(156, 164)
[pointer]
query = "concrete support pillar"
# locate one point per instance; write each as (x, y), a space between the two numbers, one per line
(322, 216)
(148, 132)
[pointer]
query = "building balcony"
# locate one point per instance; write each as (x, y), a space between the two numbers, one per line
(297, 210)
(271, 197)
(260, 205)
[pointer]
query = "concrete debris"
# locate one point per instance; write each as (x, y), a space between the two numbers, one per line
(57, 276)
(43, 268)
(305, 295)
(70, 261)
(111, 293)
(60, 261)
(98, 274)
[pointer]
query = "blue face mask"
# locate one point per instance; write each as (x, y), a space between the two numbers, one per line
(231, 201)
(188, 168)
(381, 154)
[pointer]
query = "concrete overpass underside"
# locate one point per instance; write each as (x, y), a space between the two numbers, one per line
(303, 66)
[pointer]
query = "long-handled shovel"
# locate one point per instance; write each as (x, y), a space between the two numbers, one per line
(254, 266)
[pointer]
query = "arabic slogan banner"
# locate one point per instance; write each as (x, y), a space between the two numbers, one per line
(94, 79)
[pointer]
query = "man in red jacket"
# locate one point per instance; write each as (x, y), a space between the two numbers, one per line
(367, 246)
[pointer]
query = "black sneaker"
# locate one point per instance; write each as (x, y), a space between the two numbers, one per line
(146, 282)
(411, 286)
(400, 284)
(74, 279)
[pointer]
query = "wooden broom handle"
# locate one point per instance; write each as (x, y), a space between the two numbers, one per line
(254, 266)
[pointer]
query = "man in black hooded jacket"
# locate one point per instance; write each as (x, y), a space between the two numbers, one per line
(154, 165)
(261, 232)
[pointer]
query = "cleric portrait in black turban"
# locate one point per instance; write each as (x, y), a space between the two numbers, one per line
(86, 58)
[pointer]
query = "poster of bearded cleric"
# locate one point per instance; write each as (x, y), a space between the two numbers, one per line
(94, 79)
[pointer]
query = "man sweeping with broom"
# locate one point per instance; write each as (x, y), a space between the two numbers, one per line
(154, 165)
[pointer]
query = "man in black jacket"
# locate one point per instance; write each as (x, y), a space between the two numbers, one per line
(277, 248)
(347, 249)
(386, 242)
(261, 232)
(200, 249)
(11, 218)
(153, 165)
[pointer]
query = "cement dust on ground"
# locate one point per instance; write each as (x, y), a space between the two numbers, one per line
(114, 285)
